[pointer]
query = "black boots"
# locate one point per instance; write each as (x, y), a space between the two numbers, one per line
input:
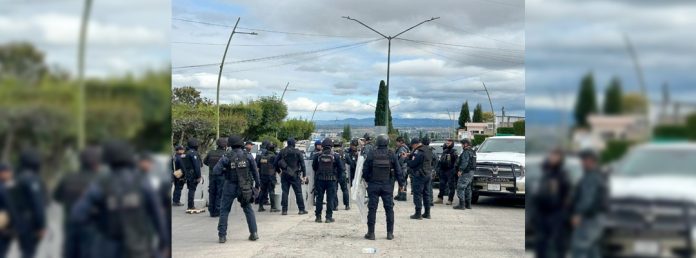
(390, 235)
(261, 208)
(222, 240)
(302, 212)
(285, 212)
(253, 236)
(347, 207)
(468, 206)
(370, 236)
(460, 206)
(417, 215)
(329, 220)
(317, 220)
(426, 214)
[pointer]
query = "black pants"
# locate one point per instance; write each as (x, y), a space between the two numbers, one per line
(27, 245)
(178, 186)
(452, 185)
(267, 189)
(384, 190)
(322, 187)
(421, 192)
(215, 184)
(352, 175)
(285, 182)
(445, 181)
(344, 189)
(549, 239)
(191, 185)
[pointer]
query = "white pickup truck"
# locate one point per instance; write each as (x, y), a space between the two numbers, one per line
(652, 206)
(500, 162)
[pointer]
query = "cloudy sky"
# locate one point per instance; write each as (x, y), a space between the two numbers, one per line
(567, 39)
(125, 36)
(337, 64)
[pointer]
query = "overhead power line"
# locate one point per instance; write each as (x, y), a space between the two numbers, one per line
(249, 45)
(478, 35)
(464, 46)
(269, 30)
(268, 58)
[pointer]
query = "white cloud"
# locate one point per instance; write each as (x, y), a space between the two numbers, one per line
(206, 81)
(64, 30)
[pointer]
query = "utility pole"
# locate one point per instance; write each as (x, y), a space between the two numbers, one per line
(492, 110)
(389, 38)
(217, 94)
(81, 98)
(641, 82)
(286, 89)
(315, 111)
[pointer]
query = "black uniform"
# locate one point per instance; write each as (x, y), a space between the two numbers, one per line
(446, 168)
(404, 168)
(178, 182)
(351, 157)
(328, 167)
(215, 180)
(380, 170)
(124, 207)
(192, 171)
(342, 182)
(241, 174)
(291, 162)
(267, 172)
(421, 167)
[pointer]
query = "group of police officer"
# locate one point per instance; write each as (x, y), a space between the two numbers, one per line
(236, 174)
(114, 206)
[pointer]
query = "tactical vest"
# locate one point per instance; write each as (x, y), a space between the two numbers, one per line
(381, 166)
(240, 165)
(471, 166)
(292, 159)
(446, 160)
(427, 160)
(125, 217)
(213, 157)
(326, 166)
(266, 163)
(188, 163)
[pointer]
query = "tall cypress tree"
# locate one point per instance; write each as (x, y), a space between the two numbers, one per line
(346, 135)
(613, 98)
(478, 114)
(381, 106)
(586, 102)
(464, 116)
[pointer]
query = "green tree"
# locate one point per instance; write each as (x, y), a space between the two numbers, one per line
(297, 128)
(488, 117)
(189, 96)
(478, 114)
(633, 103)
(464, 116)
(273, 113)
(346, 132)
(23, 62)
(586, 102)
(613, 98)
(519, 127)
(381, 107)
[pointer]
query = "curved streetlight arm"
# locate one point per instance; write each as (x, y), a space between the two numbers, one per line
(431, 19)
(355, 20)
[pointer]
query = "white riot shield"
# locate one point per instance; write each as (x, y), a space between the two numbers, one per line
(308, 189)
(359, 189)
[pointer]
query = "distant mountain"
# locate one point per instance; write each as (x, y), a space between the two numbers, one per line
(539, 117)
(398, 122)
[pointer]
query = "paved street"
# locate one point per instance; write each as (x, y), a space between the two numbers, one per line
(494, 228)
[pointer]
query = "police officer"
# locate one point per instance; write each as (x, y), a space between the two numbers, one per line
(466, 167)
(124, 206)
(401, 151)
(262, 149)
(239, 170)
(368, 144)
(180, 181)
(341, 182)
(28, 199)
(380, 170)
(588, 208)
(79, 238)
(192, 171)
(248, 147)
(351, 158)
(215, 180)
(433, 165)
(291, 162)
(7, 211)
(421, 167)
(267, 172)
(446, 167)
(327, 166)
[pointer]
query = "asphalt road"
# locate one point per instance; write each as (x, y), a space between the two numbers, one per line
(493, 228)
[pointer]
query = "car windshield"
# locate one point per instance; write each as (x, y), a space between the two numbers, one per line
(658, 162)
(502, 145)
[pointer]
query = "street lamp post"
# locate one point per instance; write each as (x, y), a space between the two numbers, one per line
(389, 38)
(217, 94)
